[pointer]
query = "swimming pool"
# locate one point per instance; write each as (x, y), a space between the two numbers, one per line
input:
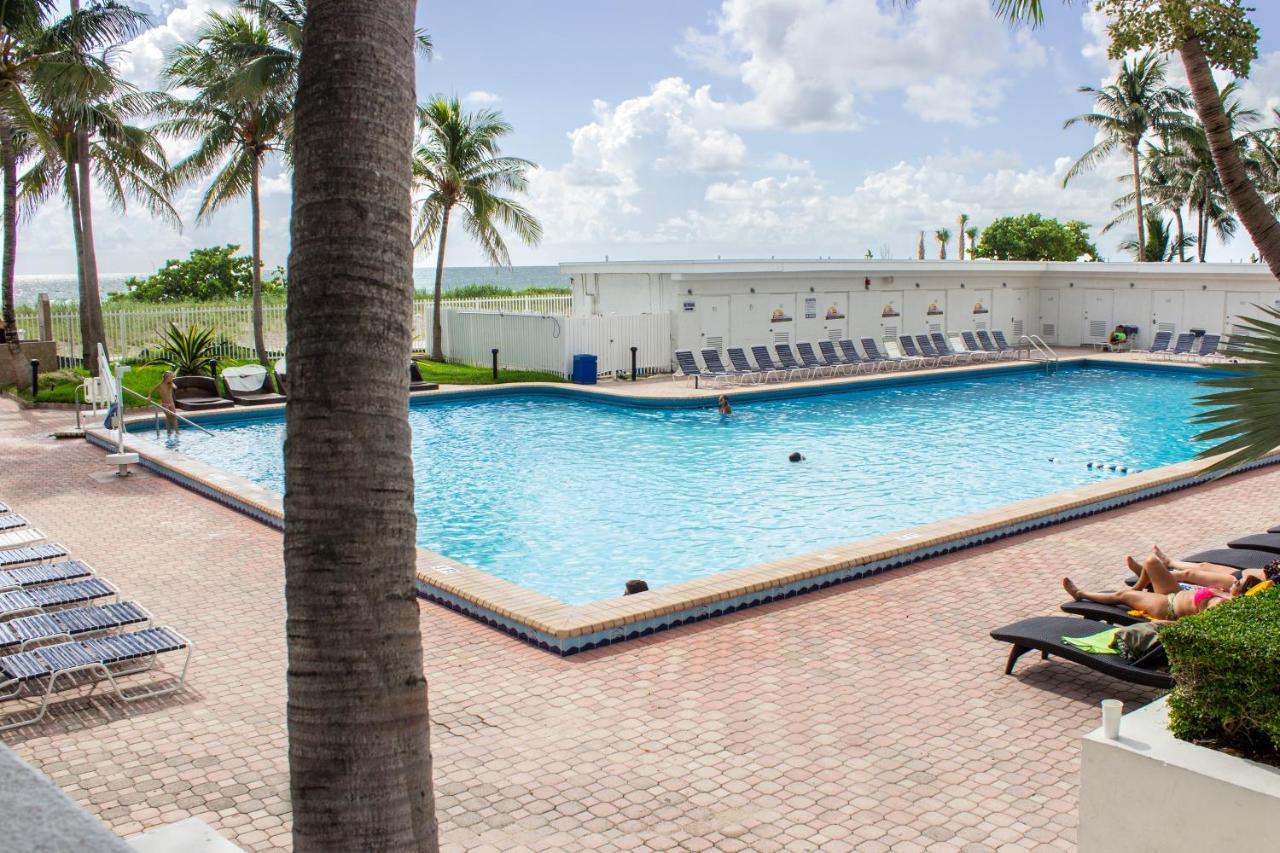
(572, 498)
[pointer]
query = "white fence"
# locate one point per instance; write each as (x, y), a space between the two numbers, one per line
(134, 331)
(548, 343)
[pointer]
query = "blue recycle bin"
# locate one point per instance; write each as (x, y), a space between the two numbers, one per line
(584, 370)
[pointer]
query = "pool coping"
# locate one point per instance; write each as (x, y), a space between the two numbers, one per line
(566, 629)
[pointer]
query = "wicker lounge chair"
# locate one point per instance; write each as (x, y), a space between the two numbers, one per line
(250, 385)
(416, 382)
(1044, 634)
(198, 393)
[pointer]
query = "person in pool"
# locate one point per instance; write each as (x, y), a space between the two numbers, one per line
(1167, 601)
(723, 405)
(1213, 575)
(164, 389)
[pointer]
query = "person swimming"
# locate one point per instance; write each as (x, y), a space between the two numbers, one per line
(723, 405)
(796, 457)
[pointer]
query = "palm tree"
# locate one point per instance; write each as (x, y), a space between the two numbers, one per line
(458, 164)
(943, 236)
(962, 222)
(1137, 103)
(920, 247)
(359, 730)
(972, 233)
(238, 119)
(1162, 244)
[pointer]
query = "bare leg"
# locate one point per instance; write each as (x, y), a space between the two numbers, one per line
(1147, 602)
(1156, 575)
(1184, 565)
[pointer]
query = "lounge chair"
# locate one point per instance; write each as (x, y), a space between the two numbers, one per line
(36, 673)
(20, 537)
(1181, 346)
(1236, 558)
(1208, 347)
(1045, 633)
(21, 602)
(1116, 614)
(878, 358)
(789, 362)
(810, 359)
(416, 382)
(969, 344)
(761, 354)
(69, 624)
(944, 348)
(829, 353)
(198, 393)
(894, 353)
(12, 558)
(1003, 345)
(1269, 542)
(250, 385)
(711, 358)
(738, 358)
(4, 507)
(910, 350)
(1232, 349)
(1159, 344)
(928, 350)
(42, 574)
(282, 378)
(9, 522)
(688, 367)
(989, 344)
(850, 353)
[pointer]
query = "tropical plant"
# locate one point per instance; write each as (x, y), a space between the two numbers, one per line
(237, 121)
(187, 352)
(1032, 237)
(1139, 102)
(458, 163)
(972, 233)
(1161, 243)
(208, 274)
(358, 723)
(1245, 411)
(962, 223)
(943, 236)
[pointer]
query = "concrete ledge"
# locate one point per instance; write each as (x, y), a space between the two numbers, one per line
(36, 817)
(1150, 791)
(185, 836)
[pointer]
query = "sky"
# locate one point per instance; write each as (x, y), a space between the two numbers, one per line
(675, 129)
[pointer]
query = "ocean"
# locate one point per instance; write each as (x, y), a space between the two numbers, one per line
(64, 287)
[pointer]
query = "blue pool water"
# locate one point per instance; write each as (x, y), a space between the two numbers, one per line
(573, 498)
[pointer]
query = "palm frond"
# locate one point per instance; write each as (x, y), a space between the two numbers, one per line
(1245, 412)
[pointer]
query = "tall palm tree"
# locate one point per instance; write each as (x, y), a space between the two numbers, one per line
(920, 247)
(458, 163)
(359, 730)
(962, 221)
(237, 118)
(1139, 102)
(972, 233)
(1162, 243)
(943, 236)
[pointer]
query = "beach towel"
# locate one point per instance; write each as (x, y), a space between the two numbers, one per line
(1095, 644)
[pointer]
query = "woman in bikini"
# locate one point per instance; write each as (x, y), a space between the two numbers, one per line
(1167, 600)
(1212, 575)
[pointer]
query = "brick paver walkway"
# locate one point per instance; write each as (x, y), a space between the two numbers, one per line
(872, 716)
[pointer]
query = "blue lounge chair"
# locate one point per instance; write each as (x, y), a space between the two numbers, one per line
(943, 346)
(4, 507)
(851, 355)
(1159, 344)
(71, 623)
(928, 350)
(876, 357)
(989, 344)
(910, 350)
(22, 602)
(1209, 347)
(809, 359)
(711, 358)
(1181, 346)
(1003, 345)
(12, 558)
(36, 673)
(43, 574)
(11, 521)
(971, 345)
(832, 356)
(689, 368)
(789, 362)
(893, 352)
(738, 358)
(765, 362)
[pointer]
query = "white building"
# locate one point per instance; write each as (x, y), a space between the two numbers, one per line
(743, 303)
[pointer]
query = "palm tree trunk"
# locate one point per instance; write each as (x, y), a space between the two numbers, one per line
(359, 739)
(90, 300)
(437, 330)
(1177, 218)
(1202, 239)
(88, 355)
(259, 340)
(1137, 200)
(1263, 228)
(9, 158)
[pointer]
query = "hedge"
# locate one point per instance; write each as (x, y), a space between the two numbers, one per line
(1226, 663)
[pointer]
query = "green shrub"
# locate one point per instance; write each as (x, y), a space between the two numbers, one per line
(208, 274)
(189, 352)
(1226, 662)
(495, 291)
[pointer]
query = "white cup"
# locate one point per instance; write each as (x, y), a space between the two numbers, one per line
(1112, 710)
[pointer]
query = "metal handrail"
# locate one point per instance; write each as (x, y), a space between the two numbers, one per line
(1037, 343)
(156, 405)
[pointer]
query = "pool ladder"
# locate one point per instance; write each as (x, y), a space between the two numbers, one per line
(1038, 350)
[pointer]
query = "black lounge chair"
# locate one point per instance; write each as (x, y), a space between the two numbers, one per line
(971, 345)
(1116, 614)
(743, 366)
(928, 350)
(9, 522)
(850, 353)
(22, 602)
(260, 392)
(788, 361)
(943, 346)
(988, 343)
(1003, 345)
(876, 357)
(761, 354)
(1258, 542)
(1236, 558)
(416, 382)
(828, 349)
(1044, 634)
(198, 393)
(106, 658)
(12, 558)
(910, 350)
(75, 622)
(711, 358)
(44, 573)
(810, 359)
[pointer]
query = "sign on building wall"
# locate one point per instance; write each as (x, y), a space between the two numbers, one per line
(810, 307)
(690, 305)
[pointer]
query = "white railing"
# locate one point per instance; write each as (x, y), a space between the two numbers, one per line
(548, 343)
(134, 331)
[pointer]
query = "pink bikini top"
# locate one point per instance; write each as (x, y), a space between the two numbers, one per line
(1202, 596)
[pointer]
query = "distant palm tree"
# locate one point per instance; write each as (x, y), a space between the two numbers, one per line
(1139, 102)
(1162, 244)
(458, 163)
(943, 236)
(357, 714)
(237, 119)
(920, 248)
(962, 222)
(972, 233)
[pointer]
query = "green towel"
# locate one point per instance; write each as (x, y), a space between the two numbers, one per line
(1098, 644)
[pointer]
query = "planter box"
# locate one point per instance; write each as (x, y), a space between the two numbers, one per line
(1150, 791)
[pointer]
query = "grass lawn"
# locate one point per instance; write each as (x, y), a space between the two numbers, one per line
(463, 374)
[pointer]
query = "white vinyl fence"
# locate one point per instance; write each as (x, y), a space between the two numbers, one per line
(134, 331)
(549, 343)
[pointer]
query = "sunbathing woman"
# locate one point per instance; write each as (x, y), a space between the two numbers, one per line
(1168, 601)
(1212, 575)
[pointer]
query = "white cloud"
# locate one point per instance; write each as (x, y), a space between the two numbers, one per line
(480, 99)
(141, 60)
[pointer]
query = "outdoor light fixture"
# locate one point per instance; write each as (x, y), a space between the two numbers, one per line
(866, 284)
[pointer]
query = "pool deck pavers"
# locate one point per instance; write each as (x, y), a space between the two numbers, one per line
(871, 716)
